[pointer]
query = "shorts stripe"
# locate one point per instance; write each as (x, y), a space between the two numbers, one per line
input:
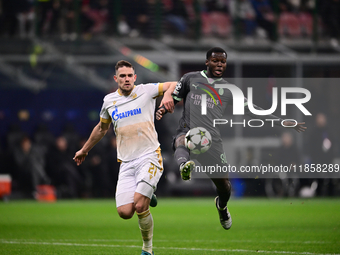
(160, 159)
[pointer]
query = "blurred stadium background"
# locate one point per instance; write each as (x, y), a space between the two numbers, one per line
(57, 62)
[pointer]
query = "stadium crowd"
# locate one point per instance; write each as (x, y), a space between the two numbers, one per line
(44, 158)
(69, 19)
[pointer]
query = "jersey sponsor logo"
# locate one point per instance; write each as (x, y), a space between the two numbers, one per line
(209, 93)
(116, 115)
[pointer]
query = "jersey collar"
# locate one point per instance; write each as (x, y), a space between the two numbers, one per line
(120, 93)
(210, 80)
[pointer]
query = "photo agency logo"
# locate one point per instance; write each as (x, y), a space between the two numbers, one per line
(239, 104)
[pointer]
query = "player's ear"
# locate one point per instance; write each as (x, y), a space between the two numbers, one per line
(115, 78)
(206, 62)
(135, 77)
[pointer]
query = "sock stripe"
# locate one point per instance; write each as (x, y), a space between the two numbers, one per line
(141, 217)
(143, 214)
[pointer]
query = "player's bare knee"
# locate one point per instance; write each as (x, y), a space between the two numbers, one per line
(141, 206)
(124, 213)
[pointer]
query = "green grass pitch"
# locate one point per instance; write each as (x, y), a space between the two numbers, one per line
(182, 226)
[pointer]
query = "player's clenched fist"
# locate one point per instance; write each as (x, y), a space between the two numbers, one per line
(79, 157)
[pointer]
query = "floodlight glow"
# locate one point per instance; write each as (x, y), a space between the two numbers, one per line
(143, 61)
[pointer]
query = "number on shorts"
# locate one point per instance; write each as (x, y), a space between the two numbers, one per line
(152, 171)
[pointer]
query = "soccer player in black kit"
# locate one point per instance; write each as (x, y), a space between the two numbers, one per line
(191, 88)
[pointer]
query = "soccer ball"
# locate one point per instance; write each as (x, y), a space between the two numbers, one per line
(198, 140)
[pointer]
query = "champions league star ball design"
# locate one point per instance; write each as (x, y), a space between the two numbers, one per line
(198, 140)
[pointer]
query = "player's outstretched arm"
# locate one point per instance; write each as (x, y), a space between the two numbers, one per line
(299, 126)
(167, 101)
(97, 134)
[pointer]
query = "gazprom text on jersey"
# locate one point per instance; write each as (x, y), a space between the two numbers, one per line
(116, 115)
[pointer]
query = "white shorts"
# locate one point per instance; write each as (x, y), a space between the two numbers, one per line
(139, 175)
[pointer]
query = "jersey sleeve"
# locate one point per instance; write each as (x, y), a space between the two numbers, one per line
(182, 88)
(104, 115)
(154, 89)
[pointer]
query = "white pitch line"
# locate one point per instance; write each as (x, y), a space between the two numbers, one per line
(163, 248)
(191, 241)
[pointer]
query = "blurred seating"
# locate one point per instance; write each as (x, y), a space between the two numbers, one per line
(296, 19)
(330, 15)
(306, 23)
(242, 11)
(216, 23)
(289, 25)
(26, 18)
(215, 18)
(135, 18)
(176, 16)
(99, 13)
(70, 19)
(265, 17)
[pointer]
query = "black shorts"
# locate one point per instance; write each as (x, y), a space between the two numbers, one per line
(214, 156)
